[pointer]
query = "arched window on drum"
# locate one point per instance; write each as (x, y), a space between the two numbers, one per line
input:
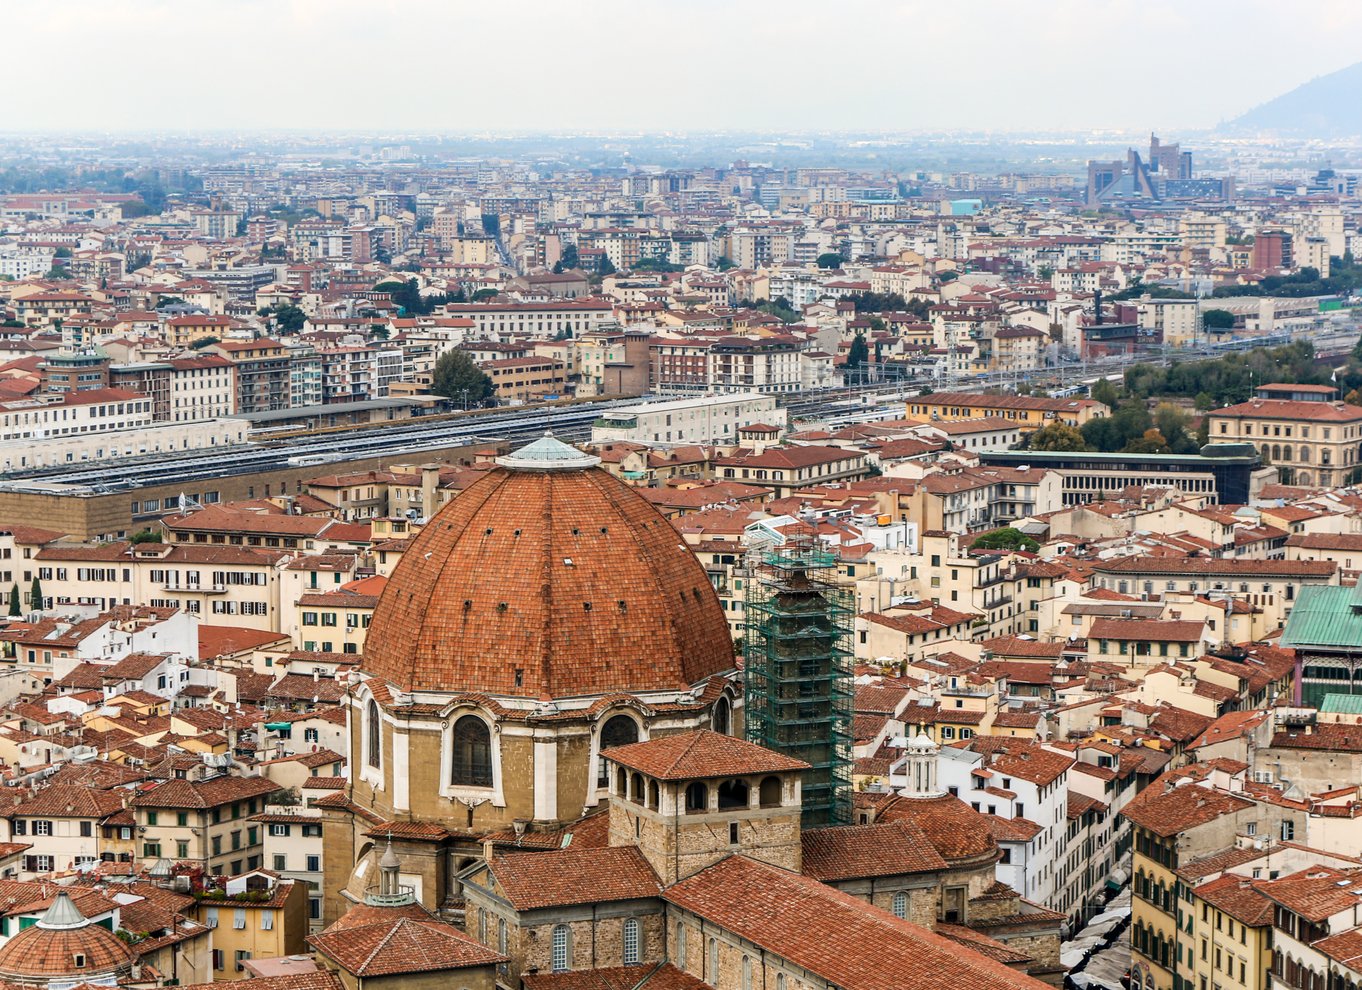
(618, 730)
(471, 749)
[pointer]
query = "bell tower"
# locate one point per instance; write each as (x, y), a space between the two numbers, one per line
(691, 799)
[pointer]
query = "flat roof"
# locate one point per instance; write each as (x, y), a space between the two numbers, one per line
(704, 400)
(297, 412)
(1077, 457)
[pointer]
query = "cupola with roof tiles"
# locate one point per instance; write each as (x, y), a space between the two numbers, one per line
(545, 614)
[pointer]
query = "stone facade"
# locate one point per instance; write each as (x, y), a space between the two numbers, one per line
(544, 772)
(679, 841)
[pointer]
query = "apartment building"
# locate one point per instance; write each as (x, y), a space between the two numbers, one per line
(566, 318)
(206, 822)
(526, 379)
(293, 849)
(1270, 585)
(201, 388)
(1310, 442)
(755, 364)
(182, 331)
(222, 584)
(64, 827)
(786, 469)
(255, 915)
(262, 373)
(1030, 412)
(1025, 786)
(70, 413)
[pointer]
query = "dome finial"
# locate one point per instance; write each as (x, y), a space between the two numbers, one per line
(63, 914)
(548, 453)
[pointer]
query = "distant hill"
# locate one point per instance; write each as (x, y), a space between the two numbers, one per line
(1326, 106)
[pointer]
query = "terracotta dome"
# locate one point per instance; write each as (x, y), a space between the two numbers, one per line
(548, 578)
(64, 946)
(954, 829)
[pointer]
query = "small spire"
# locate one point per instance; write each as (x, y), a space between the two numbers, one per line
(63, 914)
(389, 869)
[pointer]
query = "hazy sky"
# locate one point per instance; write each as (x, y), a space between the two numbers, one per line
(660, 64)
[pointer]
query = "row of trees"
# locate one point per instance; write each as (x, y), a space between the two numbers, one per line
(1345, 276)
(1225, 380)
(1130, 429)
(35, 595)
(407, 294)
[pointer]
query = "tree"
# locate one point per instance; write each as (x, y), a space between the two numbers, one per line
(1151, 442)
(725, 263)
(859, 352)
(35, 594)
(456, 376)
(1007, 538)
(15, 608)
(829, 259)
(1106, 393)
(145, 536)
(483, 294)
(202, 342)
(62, 252)
(1172, 422)
(58, 274)
(568, 259)
(877, 302)
(780, 308)
(656, 264)
(1217, 319)
(289, 318)
(1058, 438)
(605, 266)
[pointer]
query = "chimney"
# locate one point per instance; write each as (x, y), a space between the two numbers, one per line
(430, 483)
(1097, 307)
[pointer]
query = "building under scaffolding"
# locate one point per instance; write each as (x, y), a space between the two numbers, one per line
(798, 670)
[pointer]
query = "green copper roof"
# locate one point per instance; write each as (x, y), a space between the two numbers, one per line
(1342, 704)
(1324, 617)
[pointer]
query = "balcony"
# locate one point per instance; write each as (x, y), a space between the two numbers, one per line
(209, 589)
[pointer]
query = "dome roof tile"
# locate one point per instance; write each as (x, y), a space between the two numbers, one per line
(548, 582)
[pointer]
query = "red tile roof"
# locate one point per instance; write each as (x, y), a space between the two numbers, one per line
(701, 754)
(533, 880)
(1182, 808)
(548, 584)
(848, 852)
(655, 976)
(1172, 631)
(954, 829)
(402, 945)
(836, 937)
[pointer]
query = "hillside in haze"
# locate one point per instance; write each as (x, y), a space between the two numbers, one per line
(1326, 106)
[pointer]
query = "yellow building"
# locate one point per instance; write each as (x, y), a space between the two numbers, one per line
(1170, 829)
(1030, 412)
(1310, 439)
(1226, 939)
(254, 916)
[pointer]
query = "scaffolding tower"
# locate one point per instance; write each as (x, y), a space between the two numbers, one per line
(798, 670)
